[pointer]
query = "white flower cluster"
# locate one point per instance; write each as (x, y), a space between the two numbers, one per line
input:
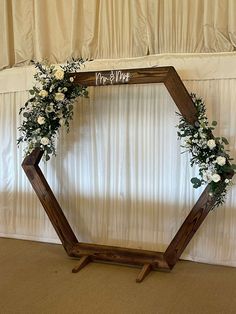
(50, 107)
(209, 169)
(207, 152)
(59, 96)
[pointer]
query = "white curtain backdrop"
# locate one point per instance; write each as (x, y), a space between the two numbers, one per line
(119, 175)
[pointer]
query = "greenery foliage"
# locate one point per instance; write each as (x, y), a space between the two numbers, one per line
(51, 105)
(208, 152)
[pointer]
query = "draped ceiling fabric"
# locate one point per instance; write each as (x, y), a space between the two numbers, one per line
(119, 174)
(97, 29)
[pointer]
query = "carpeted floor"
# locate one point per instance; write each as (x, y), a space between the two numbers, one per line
(36, 278)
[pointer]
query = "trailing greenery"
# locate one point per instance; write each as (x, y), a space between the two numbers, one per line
(51, 105)
(208, 152)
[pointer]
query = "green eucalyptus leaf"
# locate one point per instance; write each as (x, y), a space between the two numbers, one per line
(225, 141)
(196, 182)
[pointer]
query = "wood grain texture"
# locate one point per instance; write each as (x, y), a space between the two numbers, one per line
(121, 255)
(137, 76)
(191, 224)
(95, 252)
(144, 272)
(180, 96)
(188, 228)
(48, 200)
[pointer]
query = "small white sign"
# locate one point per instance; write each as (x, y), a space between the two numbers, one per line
(113, 77)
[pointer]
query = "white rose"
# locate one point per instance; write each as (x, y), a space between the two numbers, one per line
(62, 121)
(211, 144)
(221, 160)
(43, 93)
(216, 177)
(41, 120)
(71, 79)
(59, 96)
(59, 74)
(44, 141)
(227, 181)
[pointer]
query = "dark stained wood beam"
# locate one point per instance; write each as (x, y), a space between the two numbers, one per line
(114, 77)
(180, 95)
(144, 272)
(115, 254)
(48, 200)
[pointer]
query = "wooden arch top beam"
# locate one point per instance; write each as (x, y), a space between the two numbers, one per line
(166, 75)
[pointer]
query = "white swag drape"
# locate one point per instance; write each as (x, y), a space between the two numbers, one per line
(119, 174)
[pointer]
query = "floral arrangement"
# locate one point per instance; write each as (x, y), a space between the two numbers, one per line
(208, 152)
(51, 105)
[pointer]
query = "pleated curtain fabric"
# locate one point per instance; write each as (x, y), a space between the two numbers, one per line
(98, 29)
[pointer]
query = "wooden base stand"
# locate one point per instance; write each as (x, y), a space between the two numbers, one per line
(86, 252)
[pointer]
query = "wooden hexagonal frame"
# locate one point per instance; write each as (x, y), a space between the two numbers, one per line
(87, 252)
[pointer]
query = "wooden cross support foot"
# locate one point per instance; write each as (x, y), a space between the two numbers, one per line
(82, 263)
(120, 255)
(144, 272)
(87, 259)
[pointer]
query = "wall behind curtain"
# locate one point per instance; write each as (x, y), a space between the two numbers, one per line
(59, 29)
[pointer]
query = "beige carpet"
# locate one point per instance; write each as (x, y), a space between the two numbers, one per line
(36, 278)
